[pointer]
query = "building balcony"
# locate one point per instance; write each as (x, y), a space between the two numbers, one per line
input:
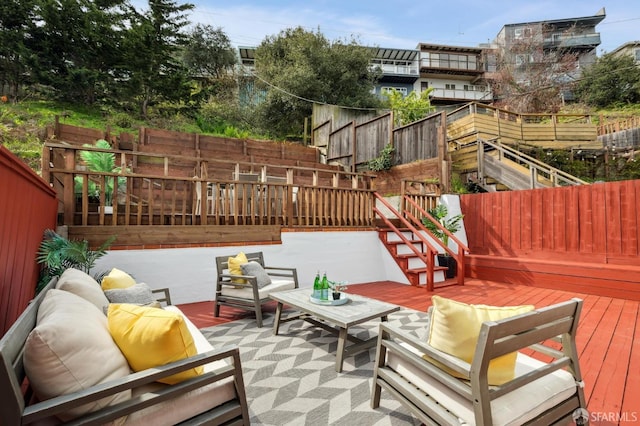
(573, 41)
(448, 67)
(392, 73)
(462, 95)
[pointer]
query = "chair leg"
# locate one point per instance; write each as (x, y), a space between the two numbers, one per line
(375, 393)
(216, 309)
(258, 310)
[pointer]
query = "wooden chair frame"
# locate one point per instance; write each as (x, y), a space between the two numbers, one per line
(538, 331)
(254, 304)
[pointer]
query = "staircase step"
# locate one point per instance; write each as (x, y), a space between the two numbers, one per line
(423, 270)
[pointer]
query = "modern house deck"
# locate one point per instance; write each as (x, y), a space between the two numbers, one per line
(608, 335)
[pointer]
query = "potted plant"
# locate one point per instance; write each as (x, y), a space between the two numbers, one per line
(337, 288)
(100, 162)
(451, 224)
(57, 253)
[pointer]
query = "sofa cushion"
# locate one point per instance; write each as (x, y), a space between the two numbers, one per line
(70, 350)
(255, 269)
(455, 327)
(235, 266)
(117, 279)
(150, 337)
(83, 285)
(138, 294)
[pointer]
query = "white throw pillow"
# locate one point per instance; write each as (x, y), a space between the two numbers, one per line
(83, 285)
(70, 350)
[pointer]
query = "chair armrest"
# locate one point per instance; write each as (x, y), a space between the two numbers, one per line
(280, 268)
(166, 296)
(249, 278)
(63, 403)
(277, 271)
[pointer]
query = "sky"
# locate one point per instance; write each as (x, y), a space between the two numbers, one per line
(403, 24)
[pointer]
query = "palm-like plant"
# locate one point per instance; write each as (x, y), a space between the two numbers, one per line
(451, 224)
(58, 254)
(100, 162)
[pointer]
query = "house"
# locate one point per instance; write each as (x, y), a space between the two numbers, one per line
(399, 70)
(521, 45)
(630, 48)
(455, 73)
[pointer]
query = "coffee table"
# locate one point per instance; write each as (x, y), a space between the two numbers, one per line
(336, 319)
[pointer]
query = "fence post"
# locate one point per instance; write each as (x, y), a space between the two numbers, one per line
(68, 190)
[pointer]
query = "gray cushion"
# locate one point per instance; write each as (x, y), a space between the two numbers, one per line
(139, 294)
(256, 270)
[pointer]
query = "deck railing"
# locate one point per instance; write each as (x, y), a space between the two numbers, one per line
(298, 196)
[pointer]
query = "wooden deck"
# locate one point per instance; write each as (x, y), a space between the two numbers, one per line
(608, 336)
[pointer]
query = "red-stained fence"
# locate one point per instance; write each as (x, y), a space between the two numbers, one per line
(28, 206)
(579, 238)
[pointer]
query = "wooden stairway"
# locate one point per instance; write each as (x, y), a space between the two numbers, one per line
(414, 248)
(411, 264)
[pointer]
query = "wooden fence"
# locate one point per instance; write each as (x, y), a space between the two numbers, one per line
(578, 238)
(270, 195)
(597, 223)
(556, 131)
(28, 208)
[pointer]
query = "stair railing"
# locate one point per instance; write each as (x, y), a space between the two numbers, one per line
(431, 251)
(459, 256)
(536, 167)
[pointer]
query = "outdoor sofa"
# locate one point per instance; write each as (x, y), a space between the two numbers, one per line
(60, 364)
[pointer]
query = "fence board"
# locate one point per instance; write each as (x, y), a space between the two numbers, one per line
(596, 223)
(29, 206)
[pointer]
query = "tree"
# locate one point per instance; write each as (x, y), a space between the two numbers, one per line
(74, 45)
(15, 25)
(152, 71)
(531, 78)
(298, 67)
(208, 52)
(610, 80)
(210, 59)
(409, 108)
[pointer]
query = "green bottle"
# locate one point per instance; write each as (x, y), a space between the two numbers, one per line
(325, 287)
(317, 289)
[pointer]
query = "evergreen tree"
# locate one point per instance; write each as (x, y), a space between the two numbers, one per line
(152, 70)
(611, 80)
(15, 26)
(74, 46)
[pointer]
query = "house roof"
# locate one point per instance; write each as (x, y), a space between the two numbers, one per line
(585, 20)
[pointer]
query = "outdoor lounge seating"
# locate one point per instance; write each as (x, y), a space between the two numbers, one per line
(249, 287)
(543, 386)
(63, 360)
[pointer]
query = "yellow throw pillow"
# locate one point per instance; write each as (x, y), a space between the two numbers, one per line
(117, 279)
(150, 337)
(455, 328)
(235, 267)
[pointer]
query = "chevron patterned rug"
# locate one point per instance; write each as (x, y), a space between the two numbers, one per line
(290, 379)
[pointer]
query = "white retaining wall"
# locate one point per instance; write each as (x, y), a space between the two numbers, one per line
(357, 257)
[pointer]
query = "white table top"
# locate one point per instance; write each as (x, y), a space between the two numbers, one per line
(357, 310)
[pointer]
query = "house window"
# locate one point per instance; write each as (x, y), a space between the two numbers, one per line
(450, 86)
(522, 33)
(636, 55)
(524, 59)
(424, 85)
(386, 89)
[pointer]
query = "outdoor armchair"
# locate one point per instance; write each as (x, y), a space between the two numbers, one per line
(545, 386)
(247, 285)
